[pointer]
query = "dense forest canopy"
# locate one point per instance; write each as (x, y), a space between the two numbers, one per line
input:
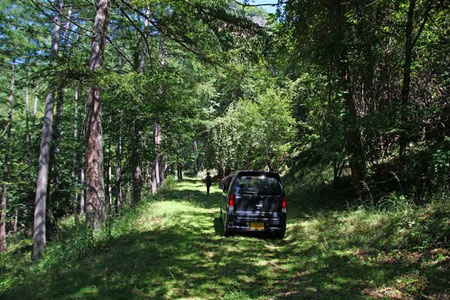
(102, 100)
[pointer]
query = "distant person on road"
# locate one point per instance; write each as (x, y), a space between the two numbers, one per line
(208, 181)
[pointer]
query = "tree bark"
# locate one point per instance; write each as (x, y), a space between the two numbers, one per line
(27, 127)
(82, 189)
(95, 190)
(36, 98)
(118, 171)
(138, 131)
(156, 170)
(156, 181)
(406, 80)
(5, 173)
(57, 136)
(39, 238)
(75, 152)
(352, 132)
(137, 161)
(108, 178)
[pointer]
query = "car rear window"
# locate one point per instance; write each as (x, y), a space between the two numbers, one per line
(258, 185)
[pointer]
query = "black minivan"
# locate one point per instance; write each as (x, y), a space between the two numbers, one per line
(256, 201)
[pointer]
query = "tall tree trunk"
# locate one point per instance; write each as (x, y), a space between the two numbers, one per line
(156, 180)
(108, 178)
(138, 131)
(137, 160)
(39, 238)
(82, 189)
(55, 148)
(27, 126)
(352, 132)
(118, 171)
(162, 168)
(15, 222)
(406, 80)
(5, 173)
(95, 190)
(195, 150)
(75, 152)
(56, 144)
(36, 98)
(156, 175)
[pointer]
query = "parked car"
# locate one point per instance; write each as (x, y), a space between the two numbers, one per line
(255, 201)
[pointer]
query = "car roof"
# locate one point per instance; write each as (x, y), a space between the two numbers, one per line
(257, 173)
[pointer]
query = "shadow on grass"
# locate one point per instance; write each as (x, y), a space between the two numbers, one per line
(184, 260)
(191, 259)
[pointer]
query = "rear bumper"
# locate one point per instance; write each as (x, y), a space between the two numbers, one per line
(242, 224)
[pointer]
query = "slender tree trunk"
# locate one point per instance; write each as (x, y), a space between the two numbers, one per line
(83, 167)
(57, 136)
(36, 98)
(406, 80)
(82, 189)
(15, 222)
(352, 132)
(108, 178)
(156, 180)
(118, 171)
(55, 150)
(195, 150)
(75, 152)
(156, 175)
(27, 127)
(95, 190)
(138, 131)
(5, 173)
(162, 168)
(137, 161)
(39, 238)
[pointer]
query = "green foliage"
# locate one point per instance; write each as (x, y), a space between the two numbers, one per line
(441, 159)
(254, 133)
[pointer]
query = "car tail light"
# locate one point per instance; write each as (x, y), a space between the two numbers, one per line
(284, 204)
(231, 201)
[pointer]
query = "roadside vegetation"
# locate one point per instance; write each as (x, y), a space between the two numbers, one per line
(171, 246)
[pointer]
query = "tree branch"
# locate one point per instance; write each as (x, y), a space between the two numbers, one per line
(422, 26)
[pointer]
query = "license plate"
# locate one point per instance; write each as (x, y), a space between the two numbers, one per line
(256, 225)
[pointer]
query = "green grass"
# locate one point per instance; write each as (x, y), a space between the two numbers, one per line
(171, 247)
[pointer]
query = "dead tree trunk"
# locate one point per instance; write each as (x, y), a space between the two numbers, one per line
(95, 189)
(39, 238)
(5, 173)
